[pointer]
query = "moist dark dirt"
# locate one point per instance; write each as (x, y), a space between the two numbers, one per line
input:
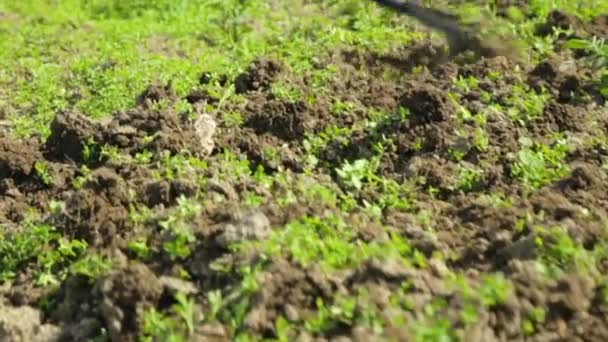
(557, 19)
(481, 233)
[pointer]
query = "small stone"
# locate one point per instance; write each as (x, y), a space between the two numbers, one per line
(341, 339)
(291, 313)
(248, 226)
(205, 127)
(438, 268)
(562, 328)
(390, 268)
(362, 334)
(175, 285)
(211, 332)
(304, 337)
(546, 336)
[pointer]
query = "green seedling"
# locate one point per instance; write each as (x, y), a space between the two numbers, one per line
(42, 171)
(538, 164)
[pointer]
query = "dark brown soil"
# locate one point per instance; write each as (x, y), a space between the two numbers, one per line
(478, 232)
(561, 20)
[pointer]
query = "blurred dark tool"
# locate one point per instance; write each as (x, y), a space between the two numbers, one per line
(459, 38)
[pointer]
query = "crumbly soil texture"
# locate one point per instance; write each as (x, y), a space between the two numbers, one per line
(156, 224)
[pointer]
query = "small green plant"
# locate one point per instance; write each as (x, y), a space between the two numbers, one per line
(354, 174)
(272, 155)
(140, 248)
(66, 252)
(456, 153)
(466, 84)
(435, 329)
(156, 325)
(91, 150)
(494, 290)
(596, 46)
(232, 119)
(481, 142)
(143, 157)
(533, 319)
(283, 329)
(603, 292)
(525, 104)
(42, 171)
(92, 266)
(38, 247)
(285, 92)
(345, 310)
(185, 309)
(110, 153)
(342, 107)
(233, 308)
(342, 311)
(538, 164)
(469, 178)
(80, 180)
(598, 49)
(180, 234)
(560, 253)
(176, 325)
(216, 302)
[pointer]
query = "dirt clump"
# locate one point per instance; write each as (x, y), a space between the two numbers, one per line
(27, 179)
(198, 95)
(25, 323)
(123, 296)
(444, 185)
(286, 290)
(563, 79)
(561, 117)
(259, 75)
(17, 162)
(131, 130)
(285, 120)
(554, 204)
(70, 133)
(427, 104)
(156, 93)
(568, 298)
(370, 93)
(17, 157)
(76, 310)
(585, 186)
(598, 26)
(558, 19)
(435, 172)
(98, 212)
(266, 150)
(153, 193)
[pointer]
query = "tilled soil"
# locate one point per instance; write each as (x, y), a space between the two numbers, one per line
(479, 235)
